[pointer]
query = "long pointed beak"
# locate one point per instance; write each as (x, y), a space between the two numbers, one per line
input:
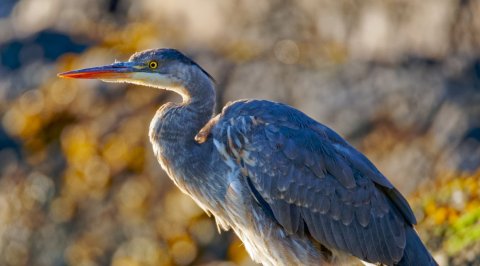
(113, 71)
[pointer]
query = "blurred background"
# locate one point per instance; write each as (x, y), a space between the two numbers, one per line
(79, 184)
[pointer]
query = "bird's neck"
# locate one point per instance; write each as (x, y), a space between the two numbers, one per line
(174, 127)
(197, 107)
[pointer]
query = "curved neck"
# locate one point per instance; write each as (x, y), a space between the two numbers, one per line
(199, 93)
(173, 130)
(199, 99)
(175, 125)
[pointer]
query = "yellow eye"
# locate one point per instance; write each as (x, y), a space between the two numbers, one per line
(153, 64)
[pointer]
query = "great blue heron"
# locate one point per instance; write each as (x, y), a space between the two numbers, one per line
(292, 189)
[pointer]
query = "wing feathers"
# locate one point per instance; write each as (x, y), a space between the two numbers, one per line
(322, 205)
(337, 234)
(362, 214)
(339, 169)
(323, 223)
(309, 176)
(347, 214)
(335, 208)
(372, 252)
(356, 241)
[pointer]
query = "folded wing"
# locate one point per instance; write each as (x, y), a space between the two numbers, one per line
(313, 182)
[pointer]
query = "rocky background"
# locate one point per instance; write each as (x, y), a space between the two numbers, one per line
(79, 184)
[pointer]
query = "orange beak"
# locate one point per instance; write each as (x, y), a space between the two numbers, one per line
(113, 71)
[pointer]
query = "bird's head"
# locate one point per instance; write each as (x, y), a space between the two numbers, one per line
(161, 68)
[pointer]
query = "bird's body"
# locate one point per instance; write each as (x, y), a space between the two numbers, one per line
(293, 190)
(220, 189)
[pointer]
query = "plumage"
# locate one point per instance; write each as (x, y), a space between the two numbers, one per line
(292, 189)
(353, 200)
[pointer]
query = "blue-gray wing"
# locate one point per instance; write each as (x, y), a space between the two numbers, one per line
(312, 181)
